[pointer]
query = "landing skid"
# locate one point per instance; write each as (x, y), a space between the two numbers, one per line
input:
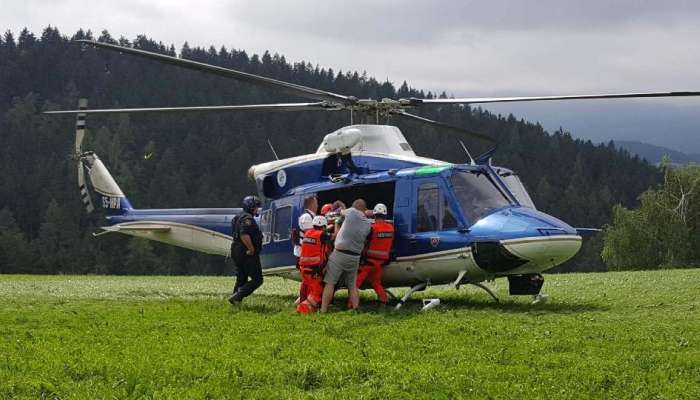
(416, 288)
(486, 288)
(458, 282)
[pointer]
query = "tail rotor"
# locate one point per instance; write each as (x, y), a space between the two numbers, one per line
(79, 137)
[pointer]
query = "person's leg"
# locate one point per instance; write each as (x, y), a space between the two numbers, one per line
(362, 274)
(328, 291)
(354, 297)
(254, 271)
(303, 291)
(302, 305)
(241, 275)
(351, 283)
(333, 272)
(313, 300)
(315, 286)
(375, 279)
(256, 276)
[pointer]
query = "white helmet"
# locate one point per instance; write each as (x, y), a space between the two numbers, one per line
(380, 209)
(320, 220)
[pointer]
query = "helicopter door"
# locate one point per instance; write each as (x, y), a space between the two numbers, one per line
(436, 223)
(266, 226)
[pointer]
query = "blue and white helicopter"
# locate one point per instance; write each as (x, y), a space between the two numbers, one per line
(456, 223)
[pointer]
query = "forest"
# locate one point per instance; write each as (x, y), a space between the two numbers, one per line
(201, 159)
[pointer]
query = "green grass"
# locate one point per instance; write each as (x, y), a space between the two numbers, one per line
(614, 335)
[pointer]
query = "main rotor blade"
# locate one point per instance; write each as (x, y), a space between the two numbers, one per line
(291, 88)
(480, 100)
(429, 121)
(321, 106)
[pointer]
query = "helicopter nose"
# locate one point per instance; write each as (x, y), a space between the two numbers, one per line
(522, 240)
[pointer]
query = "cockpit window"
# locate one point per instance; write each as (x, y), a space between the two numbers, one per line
(515, 185)
(428, 218)
(476, 193)
(434, 212)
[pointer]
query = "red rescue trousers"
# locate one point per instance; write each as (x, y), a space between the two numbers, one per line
(312, 281)
(303, 290)
(372, 271)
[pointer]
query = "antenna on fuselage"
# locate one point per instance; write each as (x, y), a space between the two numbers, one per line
(274, 153)
(471, 160)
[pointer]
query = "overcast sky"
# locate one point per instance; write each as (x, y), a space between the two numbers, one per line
(467, 48)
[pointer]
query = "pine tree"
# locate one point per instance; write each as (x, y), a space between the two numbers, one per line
(140, 259)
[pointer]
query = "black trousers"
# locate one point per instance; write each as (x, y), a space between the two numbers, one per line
(248, 273)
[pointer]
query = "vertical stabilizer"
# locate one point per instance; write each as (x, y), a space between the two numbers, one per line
(111, 197)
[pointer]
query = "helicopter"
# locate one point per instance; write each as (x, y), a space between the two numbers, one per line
(455, 223)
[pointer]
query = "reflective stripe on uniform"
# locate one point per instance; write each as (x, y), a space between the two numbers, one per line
(310, 260)
(378, 253)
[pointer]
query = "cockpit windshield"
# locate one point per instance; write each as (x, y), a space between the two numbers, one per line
(476, 193)
(515, 185)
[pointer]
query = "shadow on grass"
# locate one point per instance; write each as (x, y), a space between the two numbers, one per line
(511, 306)
(276, 303)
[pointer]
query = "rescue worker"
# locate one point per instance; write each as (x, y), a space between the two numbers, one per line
(304, 223)
(345, 258)
(325, 209)
(377, 253)
(312, 262)
(245, 250)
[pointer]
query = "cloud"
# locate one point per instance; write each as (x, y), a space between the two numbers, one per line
(467, 48)
(418, 22)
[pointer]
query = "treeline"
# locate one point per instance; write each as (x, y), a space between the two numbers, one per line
(664, 232)
(201, 159)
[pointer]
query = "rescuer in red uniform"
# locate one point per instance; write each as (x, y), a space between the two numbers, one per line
(312, 261)
(377, 252)
(305, 220)
(325, 209)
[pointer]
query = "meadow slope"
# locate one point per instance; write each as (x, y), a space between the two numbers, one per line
(612, 335)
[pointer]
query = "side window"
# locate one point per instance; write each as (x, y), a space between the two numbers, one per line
(428, 217)
(434, 212)
(266, 225)
(283, 224)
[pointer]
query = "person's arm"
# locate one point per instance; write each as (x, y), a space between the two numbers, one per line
(248, 243)
(337, 227)
(326, 238)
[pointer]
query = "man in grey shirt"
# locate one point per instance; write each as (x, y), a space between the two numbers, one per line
(345, 257)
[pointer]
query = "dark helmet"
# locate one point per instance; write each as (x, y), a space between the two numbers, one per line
(250, 203)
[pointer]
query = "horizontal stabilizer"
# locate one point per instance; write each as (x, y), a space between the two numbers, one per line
(179, 234)
(139, 227)
(587, 232)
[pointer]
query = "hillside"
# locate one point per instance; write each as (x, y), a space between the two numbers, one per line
(612, 335)
(654, 154)
(201, 160)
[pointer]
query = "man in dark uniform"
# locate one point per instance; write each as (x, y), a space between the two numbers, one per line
(245, 251)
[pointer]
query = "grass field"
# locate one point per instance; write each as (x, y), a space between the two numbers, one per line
(614, 335)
